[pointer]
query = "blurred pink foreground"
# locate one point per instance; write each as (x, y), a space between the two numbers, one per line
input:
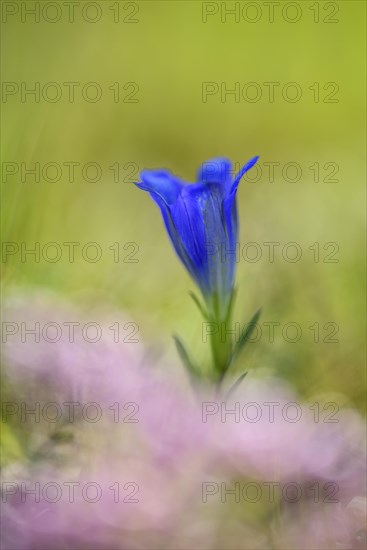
(146, 462)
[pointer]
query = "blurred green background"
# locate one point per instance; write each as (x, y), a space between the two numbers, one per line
(168, 53)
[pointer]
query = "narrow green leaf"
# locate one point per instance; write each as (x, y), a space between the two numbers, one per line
(199, 305)
(245, 336)
(185, 358)
(235, 385)
(231, 305)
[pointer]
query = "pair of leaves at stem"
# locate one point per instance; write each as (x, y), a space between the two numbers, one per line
(194, 370)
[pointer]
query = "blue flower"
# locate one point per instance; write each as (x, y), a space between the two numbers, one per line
(201, 221)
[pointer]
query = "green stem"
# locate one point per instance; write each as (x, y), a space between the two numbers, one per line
(221, 341)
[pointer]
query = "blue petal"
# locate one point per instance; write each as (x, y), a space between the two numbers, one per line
(217, 170)
(249, 164)
(180, 221)
(188, 236)
(165, 189)
(230, 207)
(162, 185)
(182, 218)
(196, 226)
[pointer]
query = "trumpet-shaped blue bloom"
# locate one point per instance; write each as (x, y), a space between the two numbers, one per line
(201, 220)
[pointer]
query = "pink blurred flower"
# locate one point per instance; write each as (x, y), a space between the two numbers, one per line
(170, 452)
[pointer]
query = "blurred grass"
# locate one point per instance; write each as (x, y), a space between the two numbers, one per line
(169, 53)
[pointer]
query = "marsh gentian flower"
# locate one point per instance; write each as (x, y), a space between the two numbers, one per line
(201, 221)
